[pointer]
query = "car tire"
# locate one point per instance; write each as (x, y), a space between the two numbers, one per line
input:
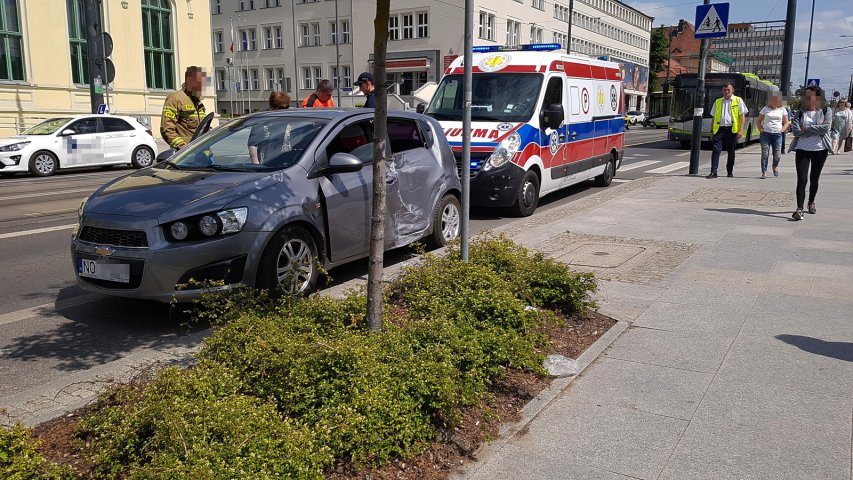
(446, 222)
(294, 245)
(606, 178)
(142, 157)
(43, 163)
(527, 196)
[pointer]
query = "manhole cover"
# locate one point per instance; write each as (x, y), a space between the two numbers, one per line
(601, 255)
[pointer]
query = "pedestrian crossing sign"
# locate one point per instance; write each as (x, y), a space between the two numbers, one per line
(813, 82)
(712, 21)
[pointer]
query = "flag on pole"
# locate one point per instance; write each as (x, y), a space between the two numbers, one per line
(232, 37)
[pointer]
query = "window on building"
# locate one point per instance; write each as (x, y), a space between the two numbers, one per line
(279, 39)
(76, 37)
(535, 34)
(487, 26)
(408, 26)
(305, 35)
(268, 41)
(345, 33)
(248, 38)
(272, 3)
(315, 30)
(158, 46)
(512, 32)
(244, 78)
(288, 87)
(221, 81)
(216, 7)
(256, 80)
(270, 73)
(318, 74)
(540, 4)
(218, 44)
(333, 33)
(307, 82)
(393, 27)
(247, 4)
(423, 24)
(346, 76)
(333, 73)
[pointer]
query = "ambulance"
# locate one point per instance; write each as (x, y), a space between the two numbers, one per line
(541, 121)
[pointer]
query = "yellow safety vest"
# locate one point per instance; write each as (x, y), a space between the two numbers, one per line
(718, 114)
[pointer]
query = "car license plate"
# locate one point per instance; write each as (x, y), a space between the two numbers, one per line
(114, 272)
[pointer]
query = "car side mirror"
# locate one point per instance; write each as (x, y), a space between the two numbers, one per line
(421, 108)
(68, 132)
(165, 155)
(342, 163)
(553, 116)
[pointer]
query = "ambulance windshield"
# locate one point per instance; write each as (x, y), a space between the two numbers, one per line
(495, 97)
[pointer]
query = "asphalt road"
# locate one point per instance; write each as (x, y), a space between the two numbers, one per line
(49, 327)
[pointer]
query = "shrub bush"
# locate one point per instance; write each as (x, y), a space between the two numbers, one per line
(20, 459)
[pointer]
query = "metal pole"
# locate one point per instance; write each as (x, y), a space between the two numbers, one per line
(466, 124)
(337, 53)
(569, 32)
(809, 50)
(699, 108)
(96, 65)
(788, 49)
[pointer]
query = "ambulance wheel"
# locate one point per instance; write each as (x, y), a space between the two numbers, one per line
(527, 197)
(606, 178)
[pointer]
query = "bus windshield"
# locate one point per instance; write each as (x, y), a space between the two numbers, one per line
(683, 99)
(497, 97)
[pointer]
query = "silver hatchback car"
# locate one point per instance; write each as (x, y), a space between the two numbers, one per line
(264, 201)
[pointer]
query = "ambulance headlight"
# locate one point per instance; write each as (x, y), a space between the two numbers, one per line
(505, 151)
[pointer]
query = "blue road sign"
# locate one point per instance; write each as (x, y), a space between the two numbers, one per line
(712, 21)
(238, 86)
(102, 109)
(813, 82)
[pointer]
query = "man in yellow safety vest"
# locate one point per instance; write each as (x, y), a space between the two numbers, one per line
(728, 112)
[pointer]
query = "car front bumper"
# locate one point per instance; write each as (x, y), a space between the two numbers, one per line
(162, 270)
(19, 161)
(497, 187)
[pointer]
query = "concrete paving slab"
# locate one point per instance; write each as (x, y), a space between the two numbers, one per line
(519, 464)
(697, 294)
(648, 388)
(689, 351)
(756, 432)
(723, 320)
(793, 267)
(620, 440)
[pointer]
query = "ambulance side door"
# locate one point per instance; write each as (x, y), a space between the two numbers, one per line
(579, 131)
(553, 140)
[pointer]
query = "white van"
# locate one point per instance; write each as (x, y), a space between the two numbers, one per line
(541, 121)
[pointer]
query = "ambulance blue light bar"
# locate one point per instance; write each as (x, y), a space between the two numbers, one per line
(532, 47)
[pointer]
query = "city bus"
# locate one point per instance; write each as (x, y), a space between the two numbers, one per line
(658, 108)
(753, 90)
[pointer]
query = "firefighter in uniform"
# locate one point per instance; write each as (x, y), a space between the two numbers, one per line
(183, 110)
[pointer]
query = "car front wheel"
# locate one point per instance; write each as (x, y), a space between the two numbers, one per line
(43, 164)
(606, 178)
(142, 157)
(289, 265)
(527, 197)
(446, 222)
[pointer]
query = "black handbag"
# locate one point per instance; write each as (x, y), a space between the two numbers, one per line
(848, 144)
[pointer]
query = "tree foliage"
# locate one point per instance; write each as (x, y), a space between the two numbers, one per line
(659, 46)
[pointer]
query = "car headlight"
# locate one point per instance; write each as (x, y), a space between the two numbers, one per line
(505, 151)
(209, 225)
(14, 147)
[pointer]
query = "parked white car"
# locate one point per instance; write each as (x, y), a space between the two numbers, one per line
(77, 141)
(636, 117)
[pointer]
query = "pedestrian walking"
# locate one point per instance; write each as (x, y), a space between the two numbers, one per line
(183, 110)
(842, 125)
(366, 84)
(772, 122)
(729, 113)
(322, 97)
(811, 145)
(260, 134)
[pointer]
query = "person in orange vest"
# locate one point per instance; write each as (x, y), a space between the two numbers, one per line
(322, 97)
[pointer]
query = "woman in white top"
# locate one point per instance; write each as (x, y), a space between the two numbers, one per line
(810, 126)
(772, 123)
(842, 124)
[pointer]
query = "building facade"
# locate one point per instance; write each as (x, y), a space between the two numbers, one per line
(755, 48)
(44, 71)
(292, 44)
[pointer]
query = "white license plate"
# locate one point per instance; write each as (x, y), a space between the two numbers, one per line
(114, 272)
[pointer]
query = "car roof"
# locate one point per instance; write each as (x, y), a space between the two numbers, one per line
(332, 113)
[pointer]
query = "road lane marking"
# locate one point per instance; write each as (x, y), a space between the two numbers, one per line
(639, 154)
(48, 309)
(631, 166)
(47, 194)
(683, 154)
(621, 180)
(670, 168)
(37, 231)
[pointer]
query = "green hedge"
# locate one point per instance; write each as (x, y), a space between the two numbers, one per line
(286, 390)
(20, 459)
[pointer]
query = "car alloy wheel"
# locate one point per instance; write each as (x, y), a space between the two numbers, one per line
(143, 157)
(43, 164)
(295, 266)
(450, 222)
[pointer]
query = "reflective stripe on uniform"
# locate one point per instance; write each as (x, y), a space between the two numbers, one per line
(718, 114)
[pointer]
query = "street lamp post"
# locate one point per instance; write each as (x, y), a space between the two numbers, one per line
(569, 32)
(809, 49)
(788, 48)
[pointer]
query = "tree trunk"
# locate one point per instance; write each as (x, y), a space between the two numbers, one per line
(380, 152)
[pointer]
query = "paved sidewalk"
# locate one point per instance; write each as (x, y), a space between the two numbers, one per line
(739, 360)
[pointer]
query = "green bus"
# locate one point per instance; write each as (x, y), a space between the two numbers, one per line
(753, 90)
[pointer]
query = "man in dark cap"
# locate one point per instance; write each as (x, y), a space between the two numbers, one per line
(365, 84)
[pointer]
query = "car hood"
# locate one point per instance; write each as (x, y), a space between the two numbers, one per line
(19, 139)
(167, 194)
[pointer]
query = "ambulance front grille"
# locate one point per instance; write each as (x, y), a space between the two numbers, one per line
(477, 161)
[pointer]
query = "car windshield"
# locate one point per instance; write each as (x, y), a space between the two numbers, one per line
(498, 97)
(251, 144)
(47, 127)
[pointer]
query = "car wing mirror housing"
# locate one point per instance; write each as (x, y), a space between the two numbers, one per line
(68, 132)
(165, 155)
(340, 163)
(421, 108)
(553, 116)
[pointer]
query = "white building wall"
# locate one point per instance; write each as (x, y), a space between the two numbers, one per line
(601, 27)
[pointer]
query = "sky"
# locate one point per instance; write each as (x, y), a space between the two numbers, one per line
(832, 18)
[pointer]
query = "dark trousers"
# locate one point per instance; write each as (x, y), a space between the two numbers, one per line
(805, 159)
(724, 138)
